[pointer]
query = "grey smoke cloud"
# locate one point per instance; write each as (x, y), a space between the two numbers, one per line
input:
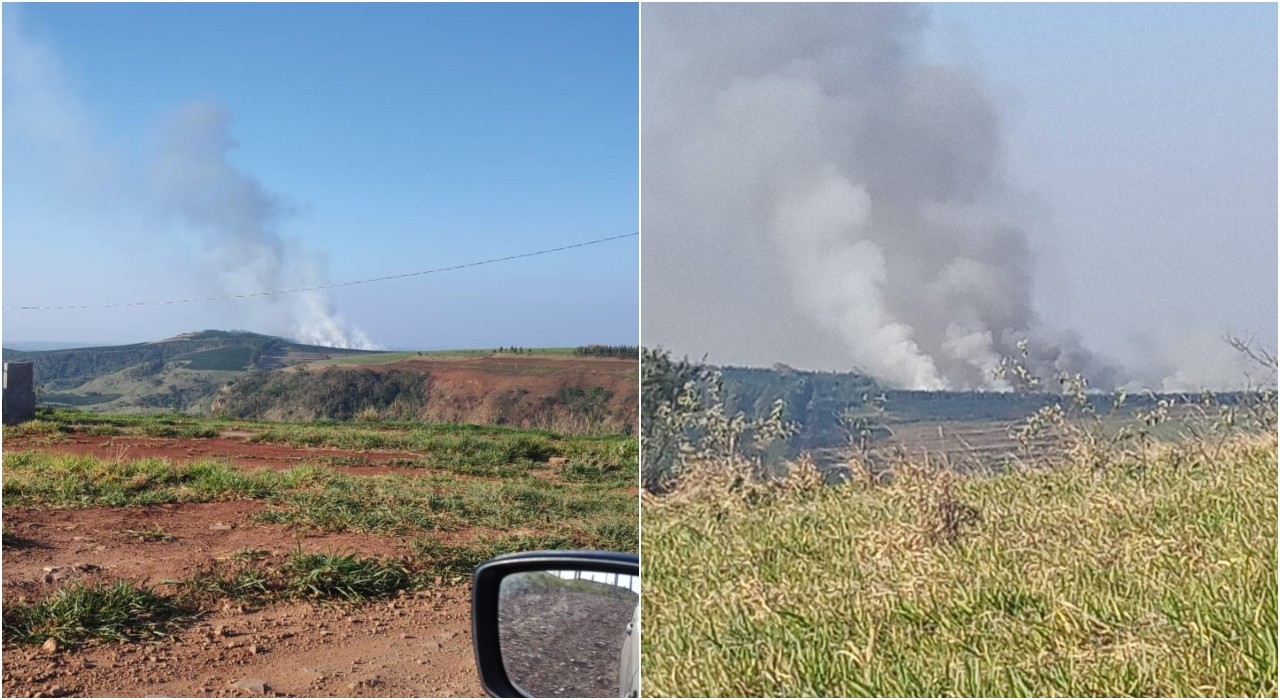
(238, 220)
(818, 136)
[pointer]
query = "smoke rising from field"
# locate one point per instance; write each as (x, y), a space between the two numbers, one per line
(873, 173)
(191, 183)
(238, 220)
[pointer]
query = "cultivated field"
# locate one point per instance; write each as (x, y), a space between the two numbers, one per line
(175, 556)
(979, 446)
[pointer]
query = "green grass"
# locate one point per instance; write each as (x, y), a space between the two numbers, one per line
(40, 479)
(468, 449)
(112, 611)
(515, 507)
(347, 576)
(588, 471)
(76, 421)
(179, 431)
(232, 359)
(403, 505)
(474, 450)
(126, 611)
(38, 426)
(321, 499)
(1146, 578)
(307, 576)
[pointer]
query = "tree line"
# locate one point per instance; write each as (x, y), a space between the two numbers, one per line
(623, 351)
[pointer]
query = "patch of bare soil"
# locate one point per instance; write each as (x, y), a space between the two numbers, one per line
(414, 646)
(417, 645)
(111, 543)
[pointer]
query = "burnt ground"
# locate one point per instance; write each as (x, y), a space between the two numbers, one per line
(414, 646)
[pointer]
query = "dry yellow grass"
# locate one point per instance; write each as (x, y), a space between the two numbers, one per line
(1149, 576)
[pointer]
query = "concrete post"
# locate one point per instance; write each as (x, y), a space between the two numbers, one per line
(19, 392)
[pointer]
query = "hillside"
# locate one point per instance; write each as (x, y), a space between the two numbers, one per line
(181, 373)
(816, 401)
(247, 375)
(561, 392)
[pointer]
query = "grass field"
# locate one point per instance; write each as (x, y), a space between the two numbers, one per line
(476, 450)
(1144, 577)
(459, 495)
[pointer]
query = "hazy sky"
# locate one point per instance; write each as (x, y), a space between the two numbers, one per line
(168, 151)
(909, 190)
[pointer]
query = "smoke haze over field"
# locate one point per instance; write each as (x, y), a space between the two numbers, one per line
(817, 191)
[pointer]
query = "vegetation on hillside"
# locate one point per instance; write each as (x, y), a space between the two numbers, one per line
(827, 410)
(178, 374)
(66, 369)
(332, 393)
(238, 371)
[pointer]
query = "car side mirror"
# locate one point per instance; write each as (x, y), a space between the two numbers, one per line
(558, 624)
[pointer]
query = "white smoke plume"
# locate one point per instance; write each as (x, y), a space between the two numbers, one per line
(873, 173)
(238, 220)
(192, 181)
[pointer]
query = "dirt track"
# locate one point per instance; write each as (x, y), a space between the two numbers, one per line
(412, 647)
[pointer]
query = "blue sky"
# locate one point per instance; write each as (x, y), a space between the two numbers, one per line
(383, 138)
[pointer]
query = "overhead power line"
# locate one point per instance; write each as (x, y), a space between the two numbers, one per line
(298, 290)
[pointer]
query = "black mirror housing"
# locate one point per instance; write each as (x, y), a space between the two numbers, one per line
(486, 599)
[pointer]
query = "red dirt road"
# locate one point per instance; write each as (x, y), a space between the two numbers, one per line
(411, 647)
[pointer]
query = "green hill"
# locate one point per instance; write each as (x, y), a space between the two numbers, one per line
(181, 373)
(241, 374)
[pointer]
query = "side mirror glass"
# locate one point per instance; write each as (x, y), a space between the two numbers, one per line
(557, 624)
